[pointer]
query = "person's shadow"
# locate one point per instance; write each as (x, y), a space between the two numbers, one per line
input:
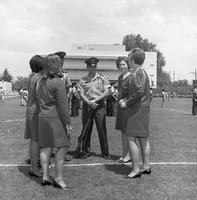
(120, 169)
(25, 170)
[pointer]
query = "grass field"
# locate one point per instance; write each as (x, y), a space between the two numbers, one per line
(173, 139)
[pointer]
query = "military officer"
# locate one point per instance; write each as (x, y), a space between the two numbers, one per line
(93, 89)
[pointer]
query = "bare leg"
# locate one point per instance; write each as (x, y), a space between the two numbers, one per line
(45, 154)
(125, 147)
(133, 147)
(59, 165)
(34, 151)
(145, 149)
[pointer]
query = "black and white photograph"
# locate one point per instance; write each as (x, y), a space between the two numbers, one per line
(98, 100)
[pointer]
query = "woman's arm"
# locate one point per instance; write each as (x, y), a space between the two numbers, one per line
(136, 89)
(62, 104)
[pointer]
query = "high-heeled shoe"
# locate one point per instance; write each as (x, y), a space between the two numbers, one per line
(146, 171)
(137, 175)
(57, 185)
(124, 161)
(120, 159)
(33, 174)
(46, 182)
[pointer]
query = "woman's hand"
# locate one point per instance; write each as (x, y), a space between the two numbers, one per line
(69, 128)
(122, 103)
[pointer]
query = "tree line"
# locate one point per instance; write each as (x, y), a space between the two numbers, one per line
(181, 87)
(17, 84)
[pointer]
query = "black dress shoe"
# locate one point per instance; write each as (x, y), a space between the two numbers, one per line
(107, 157)
(146, 171)
(57, 185)
(137, 175)
(31, 173)
(85, 155)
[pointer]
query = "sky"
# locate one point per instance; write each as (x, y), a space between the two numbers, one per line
(45, 26)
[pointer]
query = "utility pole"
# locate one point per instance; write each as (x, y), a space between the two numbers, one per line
(174, 76)
(195, 74)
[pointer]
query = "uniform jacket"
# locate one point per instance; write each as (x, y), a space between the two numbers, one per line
(139, 89)
(53, 99)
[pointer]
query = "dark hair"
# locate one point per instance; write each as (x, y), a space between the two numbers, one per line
(36, 63)
(123, 58)
(138, 55)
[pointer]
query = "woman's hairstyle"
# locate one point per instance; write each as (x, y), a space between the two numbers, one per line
(122, 59)
(138, 55)
(61, 54)
(52, 66)
(36, 63)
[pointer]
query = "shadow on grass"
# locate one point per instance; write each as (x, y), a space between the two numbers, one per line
(93, 154)
(118, 169)
(25, 170)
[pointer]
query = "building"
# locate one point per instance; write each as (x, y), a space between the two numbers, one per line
(107, 55)
(7, 86)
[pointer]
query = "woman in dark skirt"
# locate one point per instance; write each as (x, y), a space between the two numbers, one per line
(32, 111)
(138, 105)
(54, 120)
(122, 114)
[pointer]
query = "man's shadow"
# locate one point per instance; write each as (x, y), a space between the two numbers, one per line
(93, 154)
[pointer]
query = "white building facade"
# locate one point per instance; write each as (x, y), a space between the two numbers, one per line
(107, 55)
(7, 86)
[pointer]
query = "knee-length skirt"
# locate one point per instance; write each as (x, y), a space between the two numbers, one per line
(121, 119)
(138, 122)
(52, 133)
(31, 126)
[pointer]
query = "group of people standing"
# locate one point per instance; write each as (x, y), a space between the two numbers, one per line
(48, 123)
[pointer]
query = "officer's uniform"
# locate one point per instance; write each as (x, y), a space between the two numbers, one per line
(93, 88)
(75, 101)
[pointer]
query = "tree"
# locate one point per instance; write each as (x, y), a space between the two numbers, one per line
(6, 76)
(21, 82)
(136, 41)
(164, 81)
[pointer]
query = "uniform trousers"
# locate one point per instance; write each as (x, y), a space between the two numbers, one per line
(99, 115)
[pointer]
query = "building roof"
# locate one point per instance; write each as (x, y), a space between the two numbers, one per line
(98, 54)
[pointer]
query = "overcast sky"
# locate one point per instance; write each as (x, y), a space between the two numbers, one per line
(45, 26)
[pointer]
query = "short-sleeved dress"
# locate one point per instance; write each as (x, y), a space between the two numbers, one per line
(122, 113)
(54, 113)
(32, 110)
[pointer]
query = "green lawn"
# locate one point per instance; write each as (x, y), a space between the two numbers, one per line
(173, 138)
